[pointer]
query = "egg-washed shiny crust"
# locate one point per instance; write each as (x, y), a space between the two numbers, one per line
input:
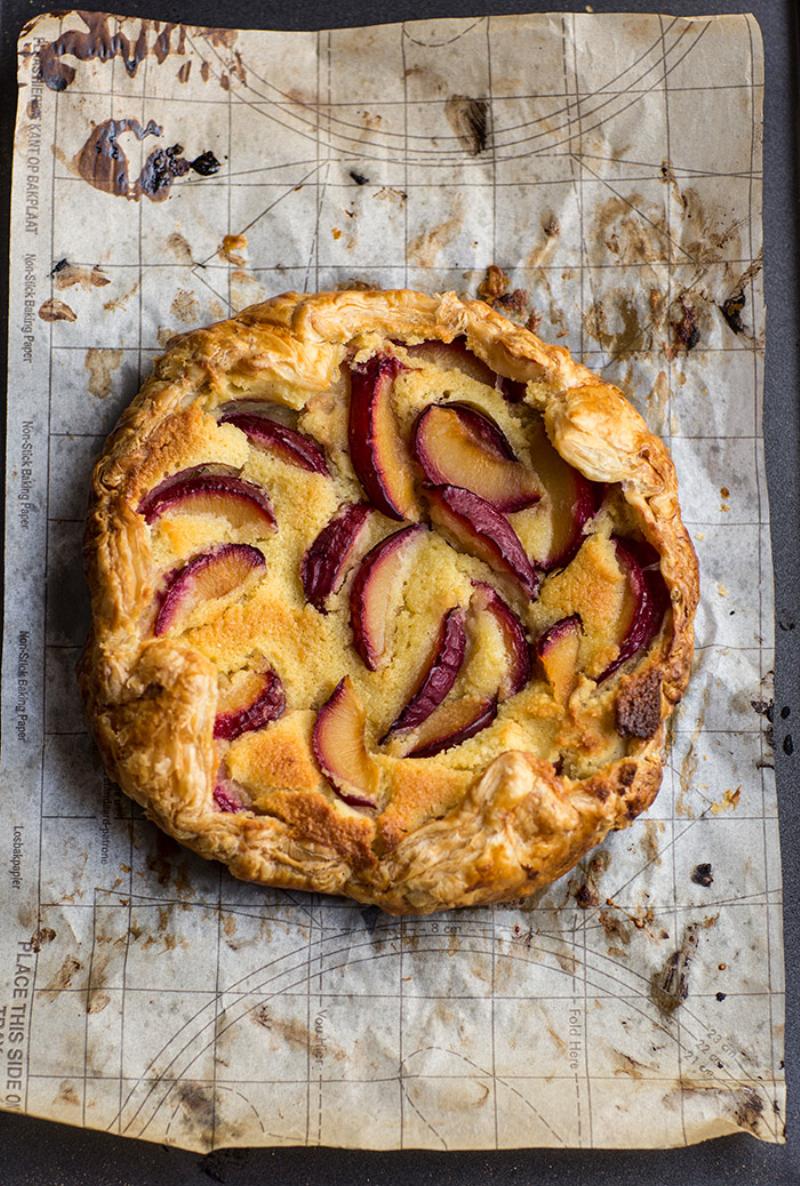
(267, 732)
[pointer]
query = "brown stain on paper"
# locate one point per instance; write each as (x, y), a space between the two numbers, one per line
(669, 987)
(121, 301)
(633, 230)
(56, 310)
(180, 248)
(62, 978)
(67, 1094)
(41, 938)
(185, 306)
(98, 1001)
(470, 120)
(101, 364)
(97, 42)
(743, 1105)
(103, 162)
(424, 249)
(67, 275)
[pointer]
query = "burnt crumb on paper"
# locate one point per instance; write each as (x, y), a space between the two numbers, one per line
(231, 248)
(685, 330)
(766, 709)
(514, 305)
(728, 802)
(103, 162)
(469, 119)
(494, 285)
(358, 178)
(205, 165)
(669, 987)
(165, 164)
(732, 310)
(638, 705)
(703, 875)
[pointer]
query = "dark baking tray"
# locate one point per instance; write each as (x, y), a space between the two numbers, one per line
(39, 1153)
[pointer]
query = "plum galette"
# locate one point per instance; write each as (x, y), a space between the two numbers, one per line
(390, 599)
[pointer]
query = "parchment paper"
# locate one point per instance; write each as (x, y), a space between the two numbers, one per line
(611, 166)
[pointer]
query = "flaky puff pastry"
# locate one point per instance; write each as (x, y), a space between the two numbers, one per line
(492, 820)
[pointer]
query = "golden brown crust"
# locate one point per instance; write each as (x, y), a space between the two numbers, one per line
(457, 840)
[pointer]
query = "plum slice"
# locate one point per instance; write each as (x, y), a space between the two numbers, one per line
(229, 796)
(477, 527)
(453, 356)
(207, 576)
(557, 649)
(645, 604)
(210, 489)
(456, 356)
(456, 444)
(570, 501)
(328, 558)
(376, 591)
(250, 701)
(451, 724)
(486, 599)
(376, 451)
(439, 676)
(268, 434)
(338, 744)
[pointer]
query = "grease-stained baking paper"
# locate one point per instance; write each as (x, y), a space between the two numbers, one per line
(165, 176)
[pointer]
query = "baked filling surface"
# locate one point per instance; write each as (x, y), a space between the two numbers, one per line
(390, 599)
